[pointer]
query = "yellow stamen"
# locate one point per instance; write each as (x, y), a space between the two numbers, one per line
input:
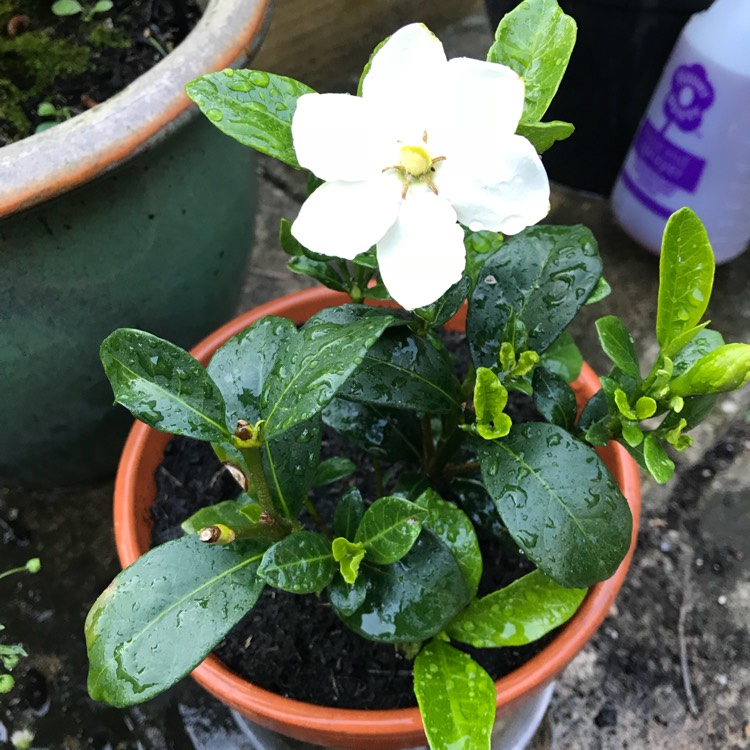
(415, 160)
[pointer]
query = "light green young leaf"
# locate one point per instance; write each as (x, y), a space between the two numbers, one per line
(254, 107)
(349, 555)
(389, 528)
(518, 614)
(490, 398)
(702, 342)
(67, 8)
(456, 698)
(724, 369)
(301, 563)
(618, 345)
(686, 276)
(162, 385)
(658, 463)
(535, 39)
(544, 135)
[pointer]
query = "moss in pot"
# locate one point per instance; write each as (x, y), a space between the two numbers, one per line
(435, 163)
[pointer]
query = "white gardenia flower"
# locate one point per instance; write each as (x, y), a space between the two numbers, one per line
(430, 143)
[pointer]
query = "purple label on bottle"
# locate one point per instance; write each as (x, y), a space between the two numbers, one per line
(668, 160)
(690, 96)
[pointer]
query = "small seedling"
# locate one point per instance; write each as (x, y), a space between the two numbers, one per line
(64, 8)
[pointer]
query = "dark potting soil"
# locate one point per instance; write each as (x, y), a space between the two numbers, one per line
(74, 62)
(294, 645)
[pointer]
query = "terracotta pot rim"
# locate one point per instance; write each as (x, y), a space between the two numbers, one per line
(242, 695)
(50, 163)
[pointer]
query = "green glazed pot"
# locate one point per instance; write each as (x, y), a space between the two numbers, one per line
(138, 213)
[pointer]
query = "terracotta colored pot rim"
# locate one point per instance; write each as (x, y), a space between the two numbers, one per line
(50, 163)
(304, 720)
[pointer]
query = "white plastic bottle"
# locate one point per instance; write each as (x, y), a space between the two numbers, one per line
(693, 145)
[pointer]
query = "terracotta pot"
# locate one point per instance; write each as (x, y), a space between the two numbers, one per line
(135, 491)
(115, 218)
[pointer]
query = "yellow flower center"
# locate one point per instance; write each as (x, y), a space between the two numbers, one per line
(415, 160)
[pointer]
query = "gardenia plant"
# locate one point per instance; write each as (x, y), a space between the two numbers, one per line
(424, 190)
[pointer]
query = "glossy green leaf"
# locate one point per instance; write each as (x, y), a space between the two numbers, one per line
(162, 615)
(479, 246)
(538, 279)
(559, 503)
(228, 512)
(301, 563)
(563, 358)
(311, 369)
(406, 371)
(349, 555)
(456, 698)
(701, 343)
(601, 291)
(289, 243)
(162, 385)
(720, 371)
(333, 470)
(632, 434)
(618, 345)
(554, 398)
(535, 39)
(518, 614)
(683, 340)
(241, 365)
(383, 433)
(658, 463)
(686, 276)
(253, 107)
(290, 462)
(544, 135)
(319, 270)
(645, 407)
(389, 528)
(412, 599)
(440, 312)
(451, 525)
(490, 398)
(347, 598)
(348, 513)
(474, 500)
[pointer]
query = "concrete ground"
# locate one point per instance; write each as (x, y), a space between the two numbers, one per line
(669, 669)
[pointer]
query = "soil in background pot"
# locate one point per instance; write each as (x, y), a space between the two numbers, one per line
(70, 63)
(294, 645)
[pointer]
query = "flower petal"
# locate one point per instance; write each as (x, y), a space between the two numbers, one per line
(405, 73)
(481, 102)
(501, 186)
(423, 253)
(338, 137)
(344, 219)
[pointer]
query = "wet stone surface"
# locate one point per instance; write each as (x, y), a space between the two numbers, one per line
(669, 669)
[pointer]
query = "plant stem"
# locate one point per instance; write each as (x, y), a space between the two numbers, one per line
(258, 481)
(378, 477)
(467, 468)
(319, 522)
(428, 442)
